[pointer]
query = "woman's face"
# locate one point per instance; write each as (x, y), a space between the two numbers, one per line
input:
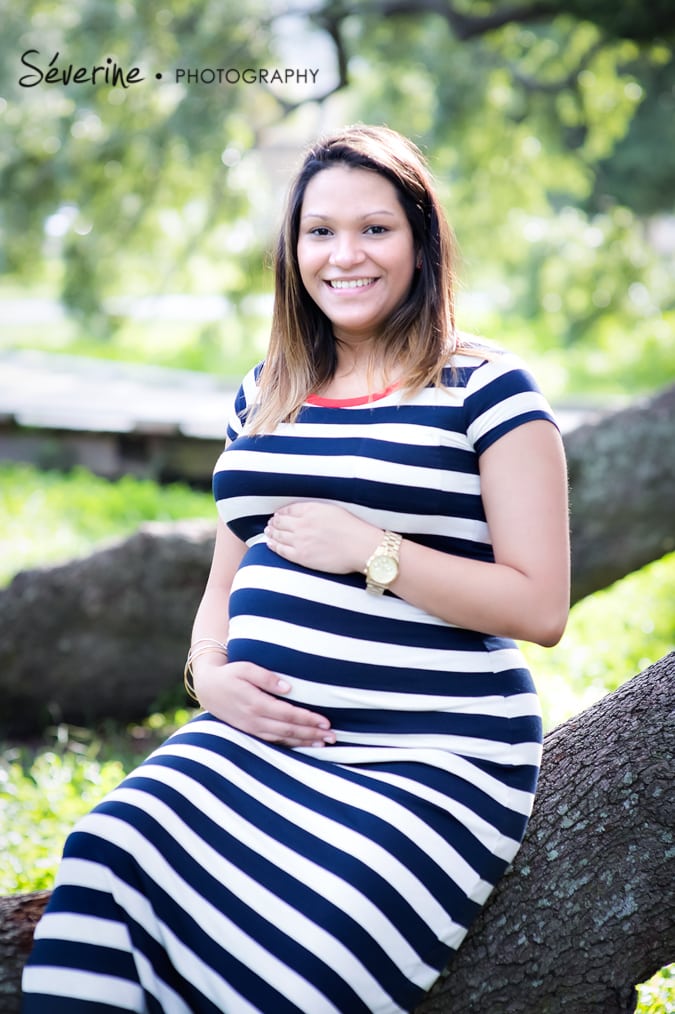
(355, 249)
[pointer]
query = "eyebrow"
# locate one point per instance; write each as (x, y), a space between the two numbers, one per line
(368, 214)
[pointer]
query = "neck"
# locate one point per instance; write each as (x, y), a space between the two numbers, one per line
(359, 356)
(360, 370)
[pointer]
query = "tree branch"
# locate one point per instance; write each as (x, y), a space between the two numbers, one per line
(464, 26)
(622, 490)
(331, 23)
(585, 913)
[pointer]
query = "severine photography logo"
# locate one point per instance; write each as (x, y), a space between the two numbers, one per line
(58, 70)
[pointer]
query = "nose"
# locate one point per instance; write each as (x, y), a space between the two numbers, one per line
(346, 251)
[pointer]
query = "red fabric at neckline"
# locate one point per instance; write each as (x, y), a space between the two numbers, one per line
(364, 399)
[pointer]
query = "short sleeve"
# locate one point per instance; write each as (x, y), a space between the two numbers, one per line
(244, 400)
(501, 395)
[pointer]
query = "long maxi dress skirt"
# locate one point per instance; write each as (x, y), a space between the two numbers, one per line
(226, 874)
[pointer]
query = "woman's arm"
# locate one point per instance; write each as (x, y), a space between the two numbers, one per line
(243, 694)
(524, 594)
(211, 619)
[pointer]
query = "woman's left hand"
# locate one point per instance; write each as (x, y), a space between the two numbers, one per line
(322, 536)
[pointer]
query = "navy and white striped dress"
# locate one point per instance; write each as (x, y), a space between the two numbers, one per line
(228, 874)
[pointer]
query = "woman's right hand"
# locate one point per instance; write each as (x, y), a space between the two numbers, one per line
(250, 698)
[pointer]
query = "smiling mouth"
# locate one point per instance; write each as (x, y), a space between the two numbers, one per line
(350, 283)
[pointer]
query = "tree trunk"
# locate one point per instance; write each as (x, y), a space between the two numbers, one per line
(586, 911)
(19, 914)
(622, 485)
(106, 636)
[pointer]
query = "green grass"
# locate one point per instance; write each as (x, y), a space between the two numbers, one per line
(657, 995)
(225, 347)
(611, 636)
(49, 517)
(46, 786)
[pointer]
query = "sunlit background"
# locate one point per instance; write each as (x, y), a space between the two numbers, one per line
(137, 224)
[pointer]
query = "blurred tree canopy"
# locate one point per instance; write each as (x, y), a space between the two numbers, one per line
(550, 127)
(118, 183)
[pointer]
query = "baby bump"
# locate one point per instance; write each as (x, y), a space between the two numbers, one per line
(273, 613)
(300, 624)
(418, 682)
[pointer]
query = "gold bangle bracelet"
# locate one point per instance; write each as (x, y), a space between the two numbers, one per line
(200, 647)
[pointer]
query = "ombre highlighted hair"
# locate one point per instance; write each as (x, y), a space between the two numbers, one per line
(419, 336)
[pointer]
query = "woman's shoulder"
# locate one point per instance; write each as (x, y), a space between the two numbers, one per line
(252, 375)
(244, 400)
(248, 388)
(477, 360)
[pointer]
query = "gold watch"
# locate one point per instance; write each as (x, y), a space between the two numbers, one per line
(382, 568)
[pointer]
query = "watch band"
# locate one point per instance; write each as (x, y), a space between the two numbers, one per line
(382, 567)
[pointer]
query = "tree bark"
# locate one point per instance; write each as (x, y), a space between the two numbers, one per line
(622, 492)
(585, 912)
(105, 636)
(19, 914)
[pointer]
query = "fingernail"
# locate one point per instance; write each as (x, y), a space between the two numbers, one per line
(319, 743)
(283, 686)
(324, 725)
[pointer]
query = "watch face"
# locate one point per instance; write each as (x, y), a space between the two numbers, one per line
(383, 569)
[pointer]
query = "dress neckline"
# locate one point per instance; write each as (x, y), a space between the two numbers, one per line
(364, 399)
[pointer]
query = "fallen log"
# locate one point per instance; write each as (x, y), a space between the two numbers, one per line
(102, 637)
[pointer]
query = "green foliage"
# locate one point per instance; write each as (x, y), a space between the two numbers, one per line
(522, 126)
(630, 19)
(639, 172)
(122, 185)
(45, 790)
(540, 132)
(40, 802)
(610, 636)
(657, 996)
(49, 517)
(225, 346)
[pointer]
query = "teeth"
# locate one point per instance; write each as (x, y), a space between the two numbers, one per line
(350, 283)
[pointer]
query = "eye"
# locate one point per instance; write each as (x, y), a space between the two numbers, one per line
(320, 230)
(376, 230)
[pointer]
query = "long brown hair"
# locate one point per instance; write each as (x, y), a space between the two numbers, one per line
(419, 335)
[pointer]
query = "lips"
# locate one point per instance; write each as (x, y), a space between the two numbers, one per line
(349, 283)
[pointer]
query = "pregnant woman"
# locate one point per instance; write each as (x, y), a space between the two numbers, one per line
(392, 517)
